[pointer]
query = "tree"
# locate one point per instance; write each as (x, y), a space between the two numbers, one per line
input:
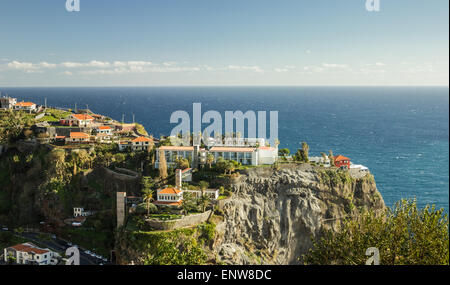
(120, 158)
(209, 159)
(182, 163)
(305, 149)
(203, 185)
(284, 152)
(203, 200)
(188, 203)
(148, 198)
(331, 157)
(162, 165)
(403, 236)
(148, 193)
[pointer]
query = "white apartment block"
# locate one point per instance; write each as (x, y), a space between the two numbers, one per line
(28, 253)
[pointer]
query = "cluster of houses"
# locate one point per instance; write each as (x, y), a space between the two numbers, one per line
(30, 254)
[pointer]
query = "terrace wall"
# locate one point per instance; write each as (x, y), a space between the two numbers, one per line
(185, 221)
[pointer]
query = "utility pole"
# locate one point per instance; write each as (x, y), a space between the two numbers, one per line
(76, 111)
(45, 103)
(123, 118)
(133, 118)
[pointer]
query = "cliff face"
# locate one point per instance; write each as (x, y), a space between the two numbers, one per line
(273, 214)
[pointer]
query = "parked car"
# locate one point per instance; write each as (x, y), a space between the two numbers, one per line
(5, 229)
(88, 252)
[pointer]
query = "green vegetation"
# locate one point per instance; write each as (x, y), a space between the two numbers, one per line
(178, 247)
(403, 236)
(140, 129)
(9, 239)
(335, 177)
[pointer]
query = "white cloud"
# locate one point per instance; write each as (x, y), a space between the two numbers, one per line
(245, 68)
(284, 69)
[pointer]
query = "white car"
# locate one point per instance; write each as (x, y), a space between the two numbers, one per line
(105, 259)
(5, 228)
(88, 252)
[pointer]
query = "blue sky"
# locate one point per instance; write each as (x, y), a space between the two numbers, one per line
(226, 42)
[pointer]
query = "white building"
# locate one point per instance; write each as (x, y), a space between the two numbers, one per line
(81, 120)
(25, 106)
(106, 130)
(320, 160)
(7, 102)
(80, 212)
(169, 197)
(124, 145)
(141, 144)
(243, 155)
(77, 137)
(28, 253)
(267, 155)
(359, 167)
(171, 154)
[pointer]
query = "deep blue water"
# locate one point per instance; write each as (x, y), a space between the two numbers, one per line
(400, 133)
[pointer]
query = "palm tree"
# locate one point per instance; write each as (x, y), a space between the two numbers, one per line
(148, 198)
(203, 200)
(209, 159)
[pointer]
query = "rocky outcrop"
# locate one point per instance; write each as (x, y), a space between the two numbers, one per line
(273, 214)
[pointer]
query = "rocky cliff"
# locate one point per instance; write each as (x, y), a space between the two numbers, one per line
(273, 214)
(269, 219)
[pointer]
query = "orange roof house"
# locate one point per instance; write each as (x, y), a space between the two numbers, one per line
(141, 139)
(169, 191)
(83, 117)
(169, 196)
(342, 162)
(25, 104)
(78, 136)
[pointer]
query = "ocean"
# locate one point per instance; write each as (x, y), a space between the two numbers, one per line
(400, 133)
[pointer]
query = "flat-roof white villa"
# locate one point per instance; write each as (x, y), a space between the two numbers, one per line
(243, 154)
(7, 102)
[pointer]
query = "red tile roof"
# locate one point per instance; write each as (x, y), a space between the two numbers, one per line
(104, 128)
(25, 104)
(141, 139)
(78, 135)
(185, 170)
(28, 248)
(172, 191)
(83, 117)
(340, 158)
